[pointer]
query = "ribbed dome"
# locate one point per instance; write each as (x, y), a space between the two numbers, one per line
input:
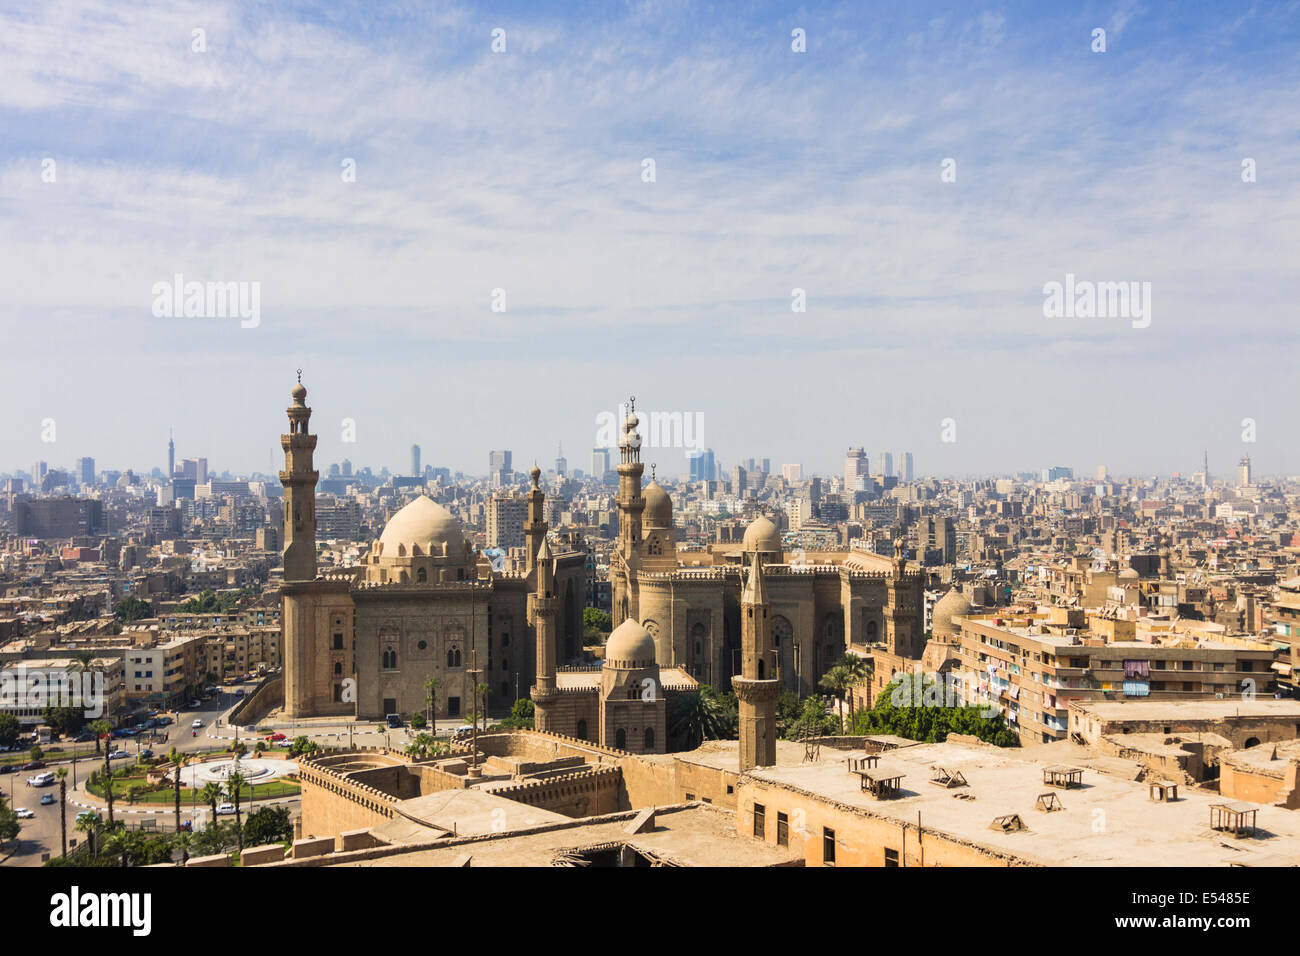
(1129, 574)
(762, 535)
(425, 524)
(953, 604)
(658, 507)
(630, 645)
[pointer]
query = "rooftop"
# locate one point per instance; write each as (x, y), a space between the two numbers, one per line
(1188, 709)
(1108, 821)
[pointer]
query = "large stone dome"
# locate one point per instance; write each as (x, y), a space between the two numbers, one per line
(630, 646)
(658, 507)
(762, 535)
(953, 604)
(422, 524)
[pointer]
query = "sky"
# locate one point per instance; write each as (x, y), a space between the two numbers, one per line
(133, 149)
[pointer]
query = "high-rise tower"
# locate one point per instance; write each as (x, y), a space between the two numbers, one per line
(545, 606)
(757, 686)
(171, 455)
(299, 480)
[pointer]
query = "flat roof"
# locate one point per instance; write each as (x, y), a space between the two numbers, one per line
(1189, 709)
(689, 835)
(1137, 831)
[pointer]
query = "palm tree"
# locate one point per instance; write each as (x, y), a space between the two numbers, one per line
(837, 680)
(235, 783)
(101, 728)
(118, 841)
(431, 699)
(62, 774)
(697, 718)
(182, 842)
(211, 794)
(178, 761)
(859, 670)
(89, 825)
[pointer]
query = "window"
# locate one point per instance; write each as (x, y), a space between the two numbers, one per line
(582, 729)
(782, 829)
(338, 667)
(505, 663)
(760, 821)
(891, 857)
(649, 739)
(620, 739)
(338, 641)
(828, 846)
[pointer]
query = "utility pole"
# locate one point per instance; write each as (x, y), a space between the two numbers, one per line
(474, 673)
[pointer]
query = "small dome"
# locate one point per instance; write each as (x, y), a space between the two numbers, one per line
(630, 646)
(953, 604)
(761, 535)
(658, 507)
(299, 393)
(423, 523)
(1129, 574)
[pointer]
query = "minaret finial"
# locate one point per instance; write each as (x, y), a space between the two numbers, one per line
(299, 376)
(631, 403)
(652, 471)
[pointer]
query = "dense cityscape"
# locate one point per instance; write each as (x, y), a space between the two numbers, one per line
(419, 661)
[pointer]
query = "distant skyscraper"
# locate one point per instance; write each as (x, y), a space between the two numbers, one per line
(886, 464)
(346, 468)
(1102, 473)
(415, 460)
(1057, 472)
(739, 480)
(905, 472)
(171, 454)
(792, 472)
(599, 463)
(704, 466)
(857, 466)
(86, 470)
(39, 471)
(1243, 472)
(561, 463)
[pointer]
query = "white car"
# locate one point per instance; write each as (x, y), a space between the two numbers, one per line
(118, 755)
(225, 809)
(196, 724)
(22, 813)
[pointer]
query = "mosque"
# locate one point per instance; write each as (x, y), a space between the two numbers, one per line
(362, 642)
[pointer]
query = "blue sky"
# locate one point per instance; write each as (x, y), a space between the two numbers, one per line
(775, 170)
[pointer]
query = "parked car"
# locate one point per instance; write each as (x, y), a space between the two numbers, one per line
(276, 736)
(22, 813)
(394, 720)
(118, 755)
(146, 754)
(34, 765)
(9, 768)
(464, 730)
(123, 732)
(194, 705)
(164, 721)
(84, 737)
(196, 723)
(224, 809)
(47, 800)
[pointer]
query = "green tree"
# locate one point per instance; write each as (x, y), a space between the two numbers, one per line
(211, 795)
(90, 824)
(596, 625)
(9, 729)
(235, 783)
(101, 729)
(62, 775)
(177, 760)
(696, 717)
(302, 746)
(132, 609)
(9, 825)
(423, 746)
(268, 825)
(64, 721)
(431, 699)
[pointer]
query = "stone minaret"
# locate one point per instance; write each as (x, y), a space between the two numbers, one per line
(903, 637)
(630, 507)
(756, 687)
(545, 605)
(299, 482)
(535, 527)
